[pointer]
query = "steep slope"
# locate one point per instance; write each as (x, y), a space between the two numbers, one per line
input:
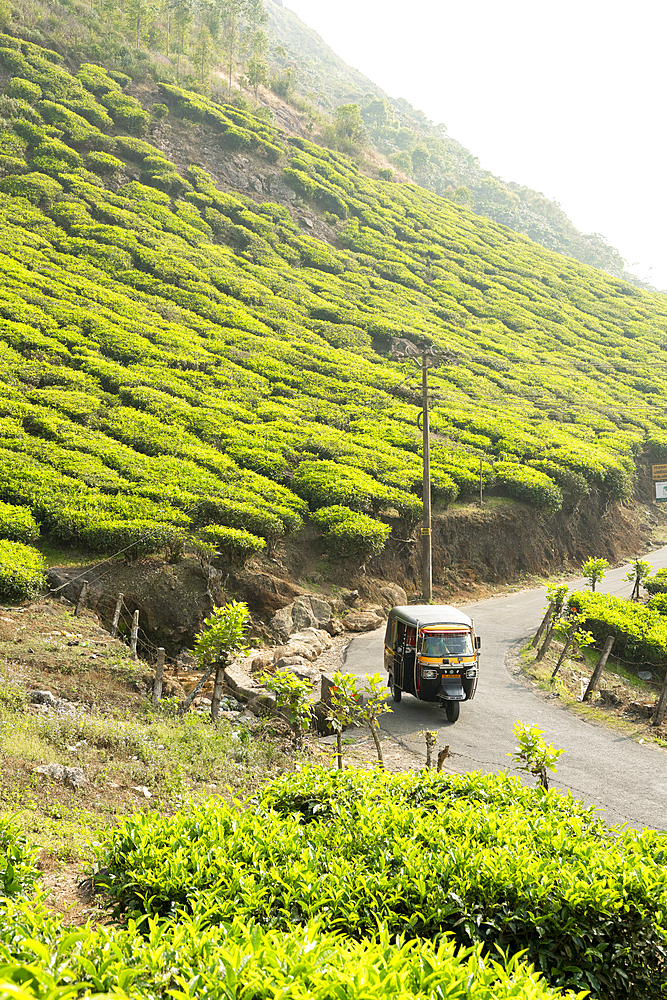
(175, 356)
(422, 150)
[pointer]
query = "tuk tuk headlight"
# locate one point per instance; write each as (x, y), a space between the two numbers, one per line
(428, 674)
(471, 672)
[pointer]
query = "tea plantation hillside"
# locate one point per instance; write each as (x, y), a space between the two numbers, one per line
(179, 358)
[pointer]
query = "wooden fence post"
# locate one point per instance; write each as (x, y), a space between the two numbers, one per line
(544, 624)
(568, 643)
(547, 642)
(133, 636)
(599, 667)
(116, 615)
(661, 707)
(80, 604)
(159, 671)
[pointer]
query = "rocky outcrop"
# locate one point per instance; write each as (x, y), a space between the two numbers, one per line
(306, 611)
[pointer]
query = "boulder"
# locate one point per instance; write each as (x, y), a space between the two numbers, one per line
(172, 688)
(73, 777)
(261, 662)
(41, 698)
(281, 623)
(362, 621)
(302, 649)
(335, 627)
(304, 671)
(316, 637)
(290, 661)
(394, 596)
(238, 680)
(308, 611)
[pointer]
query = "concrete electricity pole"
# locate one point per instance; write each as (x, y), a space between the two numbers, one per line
(405, 349)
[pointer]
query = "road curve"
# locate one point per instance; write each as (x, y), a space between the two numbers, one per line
(625, 779)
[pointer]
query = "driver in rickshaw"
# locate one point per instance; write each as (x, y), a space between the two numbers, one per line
(451, 645)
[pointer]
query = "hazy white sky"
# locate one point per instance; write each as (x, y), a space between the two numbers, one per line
(567, 98)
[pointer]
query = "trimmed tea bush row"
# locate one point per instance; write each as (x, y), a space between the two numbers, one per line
(349, 534)
(419, 854)
(184, 959)
(21, 571)
(640, 630)
(17, 524)
(233, 543)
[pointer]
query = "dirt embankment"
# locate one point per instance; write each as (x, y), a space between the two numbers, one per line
(474, 550)
(505, 541)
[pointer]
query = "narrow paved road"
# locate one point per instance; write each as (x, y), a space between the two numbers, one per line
(625, 779)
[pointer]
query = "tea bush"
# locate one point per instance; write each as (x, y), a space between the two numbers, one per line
(41, 957)
(18, 871)
(417, 854)
(640, 630)
(657, 583)
(17, 524)
(349, 534)
(21, 571)
(235, 544)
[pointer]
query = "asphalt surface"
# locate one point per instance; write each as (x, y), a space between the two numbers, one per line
(626, 780)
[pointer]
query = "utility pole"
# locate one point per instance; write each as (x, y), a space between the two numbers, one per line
(405, 349)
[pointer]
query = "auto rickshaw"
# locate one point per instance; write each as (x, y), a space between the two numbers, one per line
(432, 652)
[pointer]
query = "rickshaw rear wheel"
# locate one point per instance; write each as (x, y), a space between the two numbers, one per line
(395, 692)
(452, 709)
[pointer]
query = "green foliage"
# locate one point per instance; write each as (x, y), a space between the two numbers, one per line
(24, 90)
(593, 570)
(241, 959)
(415, 854)
(17, 524)
(656, 584)
(658, 603)
(529, 485)
(532, 755)
(18, 872)
(640, 630)
(21, 571)
(38, 188)
(234, 544)
(556, 593)
(293, 694)
(349, 534)
(222, 634)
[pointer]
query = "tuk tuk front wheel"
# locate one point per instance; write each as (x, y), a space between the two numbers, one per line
(395, 691)
(452, 709)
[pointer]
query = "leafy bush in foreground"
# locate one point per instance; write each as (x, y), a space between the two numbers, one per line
(17, 524)
(21, 571)
(418, 854)
(185, 960)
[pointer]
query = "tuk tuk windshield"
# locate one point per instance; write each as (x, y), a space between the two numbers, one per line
(447, 644)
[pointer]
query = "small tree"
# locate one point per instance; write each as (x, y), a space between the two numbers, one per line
(641, 570)
(533, 755)
(376, 696)
(293, 694)
(344, 709)
(358, 706)
(593, 570)
(221, 637)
